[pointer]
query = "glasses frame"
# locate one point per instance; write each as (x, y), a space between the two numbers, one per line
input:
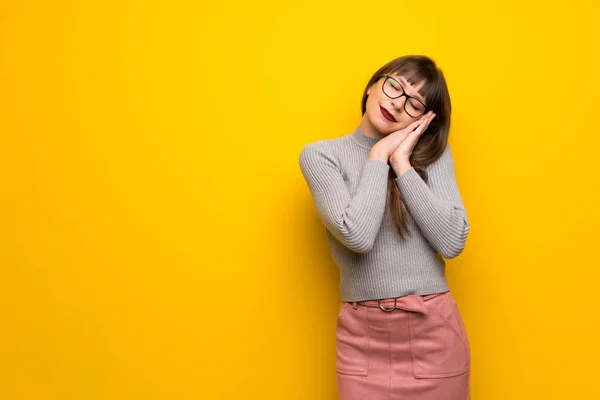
(386, 76)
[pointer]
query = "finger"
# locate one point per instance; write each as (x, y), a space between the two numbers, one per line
(430, 118)
(410, 128)
(422, 127)
(415, 124)
(425, 117)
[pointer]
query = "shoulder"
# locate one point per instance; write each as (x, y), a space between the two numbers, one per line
(444, 161)
(327, 147)
(443, 168)
(318, 153)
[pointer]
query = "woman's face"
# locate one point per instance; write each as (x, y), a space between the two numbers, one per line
(402, 113)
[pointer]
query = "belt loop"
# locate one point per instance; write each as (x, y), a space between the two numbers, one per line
(355, 305)
(387, 309)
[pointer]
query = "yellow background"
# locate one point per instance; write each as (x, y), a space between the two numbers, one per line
(159, 242)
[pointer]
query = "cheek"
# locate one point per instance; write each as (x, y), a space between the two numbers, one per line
(373, 108)
(404, 120)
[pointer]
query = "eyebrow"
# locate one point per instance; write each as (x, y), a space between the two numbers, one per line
(405, 83)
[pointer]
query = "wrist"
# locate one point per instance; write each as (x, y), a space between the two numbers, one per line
(375, 155)
(401, 166)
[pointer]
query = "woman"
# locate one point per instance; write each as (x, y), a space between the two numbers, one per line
(388, 197)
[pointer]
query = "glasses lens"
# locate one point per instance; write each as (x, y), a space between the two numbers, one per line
(392, 89)
(414, 108)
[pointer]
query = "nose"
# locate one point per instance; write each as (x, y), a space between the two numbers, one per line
(399, 103)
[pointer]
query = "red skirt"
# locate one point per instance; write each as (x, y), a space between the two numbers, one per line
(415, 350)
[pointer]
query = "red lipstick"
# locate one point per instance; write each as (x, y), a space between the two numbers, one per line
(387, 115)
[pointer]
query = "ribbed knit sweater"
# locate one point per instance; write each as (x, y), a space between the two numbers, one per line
(350, 194)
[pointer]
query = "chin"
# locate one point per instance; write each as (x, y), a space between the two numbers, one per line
(383, 125)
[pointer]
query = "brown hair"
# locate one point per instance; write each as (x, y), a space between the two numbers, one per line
(432, 143)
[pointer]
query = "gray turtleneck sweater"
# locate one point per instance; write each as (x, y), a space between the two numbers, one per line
(350, 194)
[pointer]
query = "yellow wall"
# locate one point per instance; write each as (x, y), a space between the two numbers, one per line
(158, 240)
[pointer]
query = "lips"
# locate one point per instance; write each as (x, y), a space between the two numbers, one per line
(386, 114)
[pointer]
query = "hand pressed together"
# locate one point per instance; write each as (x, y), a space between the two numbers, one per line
(397, 146)
(408, 138)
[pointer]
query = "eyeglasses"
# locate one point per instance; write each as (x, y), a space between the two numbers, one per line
(394, 90)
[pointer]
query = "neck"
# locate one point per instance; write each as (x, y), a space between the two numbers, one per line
(363, 140)
(367, 129)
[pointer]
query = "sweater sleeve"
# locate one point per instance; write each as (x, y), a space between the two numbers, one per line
(353, 220)
(436, 206)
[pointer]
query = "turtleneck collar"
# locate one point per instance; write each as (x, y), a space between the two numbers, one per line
(363, 140)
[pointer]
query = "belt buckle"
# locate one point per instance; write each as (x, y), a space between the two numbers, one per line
(387, 309)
